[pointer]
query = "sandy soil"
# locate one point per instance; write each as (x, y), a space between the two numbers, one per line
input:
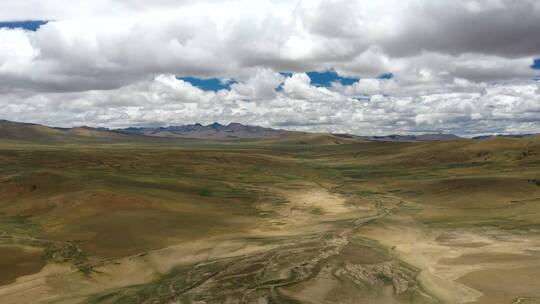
(460, 266)
(456, 266)
(60, 283)
(65, 284)
(501, 285)
(38, 287)
(17, 261)
(307, 209)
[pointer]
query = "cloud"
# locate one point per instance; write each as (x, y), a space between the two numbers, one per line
(110, 63)
(260, 86)
(166, 100)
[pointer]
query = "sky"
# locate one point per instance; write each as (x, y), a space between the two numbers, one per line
(366, 67)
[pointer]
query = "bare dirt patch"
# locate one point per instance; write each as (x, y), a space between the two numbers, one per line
(464, 265)
(17, 261)
(359, 254)
(488, 258)
(504, 285)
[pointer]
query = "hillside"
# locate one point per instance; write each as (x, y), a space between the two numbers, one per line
(41, 134)
(98, 222)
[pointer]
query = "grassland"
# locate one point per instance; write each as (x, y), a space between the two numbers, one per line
(303, 219)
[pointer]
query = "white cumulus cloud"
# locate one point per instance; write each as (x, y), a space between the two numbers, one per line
(461, 66)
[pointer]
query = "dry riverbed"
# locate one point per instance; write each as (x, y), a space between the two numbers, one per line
(315, 246)
(465, 265)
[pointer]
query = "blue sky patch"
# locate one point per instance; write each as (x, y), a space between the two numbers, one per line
(386, 76)
(325, 79)
(279, 88)
(209, 84)
(536, 64)
(30, 25)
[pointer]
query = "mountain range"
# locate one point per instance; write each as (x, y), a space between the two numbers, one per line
(216, 131)
(212, 131)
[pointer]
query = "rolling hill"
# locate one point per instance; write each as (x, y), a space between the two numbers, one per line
(154, 219)
(39, 133)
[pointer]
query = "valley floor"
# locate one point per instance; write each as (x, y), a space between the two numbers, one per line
(358, 222)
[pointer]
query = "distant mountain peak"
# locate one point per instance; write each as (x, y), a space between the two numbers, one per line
(212, 131)
(413, 138)
(216, 125)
